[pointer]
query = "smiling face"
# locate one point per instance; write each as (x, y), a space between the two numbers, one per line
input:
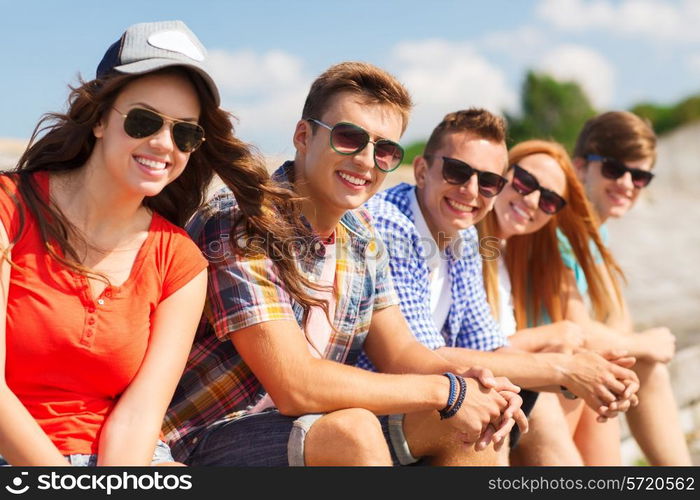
(144, 166)
(518, 214)
(336, 183)
(449, 208)
(610, 197)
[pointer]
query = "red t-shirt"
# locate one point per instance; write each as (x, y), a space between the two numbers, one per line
(69, 356)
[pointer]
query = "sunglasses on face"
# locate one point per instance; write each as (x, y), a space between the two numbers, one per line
(140, 123)
(525, 183)
(349, 139)
(457, 172)
(611, 168)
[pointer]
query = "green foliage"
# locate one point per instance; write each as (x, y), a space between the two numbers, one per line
(557, 110)
(666, 118)
(550, 110)
(412, 150)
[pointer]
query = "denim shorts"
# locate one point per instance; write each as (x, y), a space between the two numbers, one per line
(161, 454)
(274, 440)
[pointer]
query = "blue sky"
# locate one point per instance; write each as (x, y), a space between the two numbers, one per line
(450, 54)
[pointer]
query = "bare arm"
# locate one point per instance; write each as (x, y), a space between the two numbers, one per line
(298, 383)
(391, 347)
(562, 336)
(523, 368)
(22, 441)
(131, 431)
(588, 375)
(657, 344)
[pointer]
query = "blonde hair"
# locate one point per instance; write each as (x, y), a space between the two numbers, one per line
(533, 260)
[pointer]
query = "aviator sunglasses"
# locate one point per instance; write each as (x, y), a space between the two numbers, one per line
(611, 168)
(349, 139)
(140, 123)
(525, 183)
(457, 172)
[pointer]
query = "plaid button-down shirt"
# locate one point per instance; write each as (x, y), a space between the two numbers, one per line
(217, 384)
(470, 322)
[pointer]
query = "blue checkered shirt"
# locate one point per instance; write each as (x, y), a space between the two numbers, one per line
(469, 323)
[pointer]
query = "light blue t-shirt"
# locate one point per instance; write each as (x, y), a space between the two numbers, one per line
(569, 259)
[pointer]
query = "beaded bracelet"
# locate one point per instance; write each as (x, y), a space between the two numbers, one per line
(453, 392)
(452, 410)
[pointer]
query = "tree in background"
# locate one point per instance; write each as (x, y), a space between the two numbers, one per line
(412, 150)
(550, 109)
(666, 118)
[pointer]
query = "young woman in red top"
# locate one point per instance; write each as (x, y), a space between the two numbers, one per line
(101, 290)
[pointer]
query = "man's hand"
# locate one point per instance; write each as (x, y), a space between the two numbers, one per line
(513, 415)
(604, 382)
(491, 411)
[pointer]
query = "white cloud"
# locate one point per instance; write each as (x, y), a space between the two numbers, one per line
(247, 71)
(443, 76)
(520, 43)
(266, 91)
(587, 67)
(652, 19)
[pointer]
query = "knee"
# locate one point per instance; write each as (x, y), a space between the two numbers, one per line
(347, 437)
(652, 373)
(354, 424)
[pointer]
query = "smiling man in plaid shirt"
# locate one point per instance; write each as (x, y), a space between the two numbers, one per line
(264, 387)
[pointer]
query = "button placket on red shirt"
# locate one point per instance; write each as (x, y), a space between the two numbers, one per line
(92, 307)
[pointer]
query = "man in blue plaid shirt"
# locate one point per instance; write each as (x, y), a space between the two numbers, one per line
(436, 266)
(430, 234)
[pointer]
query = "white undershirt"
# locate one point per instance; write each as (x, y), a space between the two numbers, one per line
(506, 315)
(440, 282)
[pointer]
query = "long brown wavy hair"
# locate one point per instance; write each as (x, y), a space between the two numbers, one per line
(533, 260)
(61, 142)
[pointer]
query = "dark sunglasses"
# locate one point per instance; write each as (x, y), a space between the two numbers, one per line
(140, 123)
(525, 183)
(614, 169)
(349, 139)
(457, 172)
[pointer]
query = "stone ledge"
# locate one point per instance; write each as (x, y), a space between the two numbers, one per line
(685, 378)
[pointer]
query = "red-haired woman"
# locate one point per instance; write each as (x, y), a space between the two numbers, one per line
(543, 205)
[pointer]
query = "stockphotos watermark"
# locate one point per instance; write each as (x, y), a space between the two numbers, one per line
(398, 247)
(99, 482)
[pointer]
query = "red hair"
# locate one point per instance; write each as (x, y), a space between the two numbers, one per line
(533, 260)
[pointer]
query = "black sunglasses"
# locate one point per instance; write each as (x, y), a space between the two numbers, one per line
(349, 139)
(525, 183)
(614, 169)
(458, 172)
(140, 123)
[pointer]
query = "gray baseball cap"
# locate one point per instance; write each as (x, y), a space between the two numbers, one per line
(148, 47)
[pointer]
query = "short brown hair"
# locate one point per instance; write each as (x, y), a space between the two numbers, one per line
(480, 122)
(619, 134)
(364, 79)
